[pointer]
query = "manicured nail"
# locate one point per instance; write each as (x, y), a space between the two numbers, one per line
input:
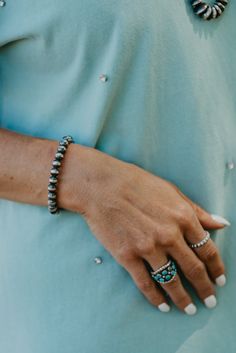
(190, 309)
(165, 308)
(210, 302)
(221, 280)
(220, 219)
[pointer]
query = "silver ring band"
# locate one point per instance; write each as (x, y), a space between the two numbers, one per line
(161, 268)
(202, 242)
(165, 273)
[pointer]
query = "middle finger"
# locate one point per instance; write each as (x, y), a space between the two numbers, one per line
(174, 288)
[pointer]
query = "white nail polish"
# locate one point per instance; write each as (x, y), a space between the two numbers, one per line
(190, 309)
(210, 302)
(220, 219)
(221, 280)
(165, 308)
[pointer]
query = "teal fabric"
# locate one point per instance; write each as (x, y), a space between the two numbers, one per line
(168, 106)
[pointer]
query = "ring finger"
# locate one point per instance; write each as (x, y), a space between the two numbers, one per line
(195, 271)
(174, 288)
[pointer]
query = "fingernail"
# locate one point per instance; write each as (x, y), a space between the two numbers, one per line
(190, 309)
(220, 219)
(221, 280)
(165, 308)
(210, 302)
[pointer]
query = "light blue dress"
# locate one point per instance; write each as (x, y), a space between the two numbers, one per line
(169, 106)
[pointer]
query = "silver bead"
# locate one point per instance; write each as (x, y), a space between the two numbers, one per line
(61, 149)
(52, 187)
(53, 180)
(202, 8)
(68, 138)
(214, 12)
(196, 2)
(230, 165)
(98, 260)
(59, 155)
(218, 9)
(52, 203)
(64, 143)
(54, 171)
(53, 209)
(220, 5)
(52, 195)
(208, 13)
(56, 163)
(2, 3)
(103, 78)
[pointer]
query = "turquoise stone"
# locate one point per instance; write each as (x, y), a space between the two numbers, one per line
(168, 277)
(164, 272)
(173, 273)
(161, 280)
(157, 276)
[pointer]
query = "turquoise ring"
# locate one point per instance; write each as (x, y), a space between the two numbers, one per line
(165, 273)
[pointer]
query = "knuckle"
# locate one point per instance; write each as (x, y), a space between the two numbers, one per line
(197, 271)
(183, 214)
(145, 246)
(211, 254)
(168, 239)
(125, 254)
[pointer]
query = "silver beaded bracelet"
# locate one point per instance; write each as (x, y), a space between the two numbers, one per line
(54, 173)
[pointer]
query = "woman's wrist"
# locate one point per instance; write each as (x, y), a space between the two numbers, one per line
(86, 175)
(74, 182)
(25, 165)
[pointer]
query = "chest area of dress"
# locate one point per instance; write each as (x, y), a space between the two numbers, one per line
(58, 33)
(72, 19)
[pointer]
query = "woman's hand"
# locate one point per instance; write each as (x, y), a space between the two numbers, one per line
(138, 216)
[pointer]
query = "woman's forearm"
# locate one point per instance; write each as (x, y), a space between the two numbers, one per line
(25, 164)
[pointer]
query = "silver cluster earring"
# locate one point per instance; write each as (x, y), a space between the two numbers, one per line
(209, 12)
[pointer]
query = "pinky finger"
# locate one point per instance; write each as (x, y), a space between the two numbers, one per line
(146, 285)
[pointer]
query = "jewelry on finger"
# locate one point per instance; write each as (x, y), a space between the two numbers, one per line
(165, 273)
(202, 242)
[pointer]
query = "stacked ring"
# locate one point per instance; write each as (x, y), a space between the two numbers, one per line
(165, 273)
(202, 242)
